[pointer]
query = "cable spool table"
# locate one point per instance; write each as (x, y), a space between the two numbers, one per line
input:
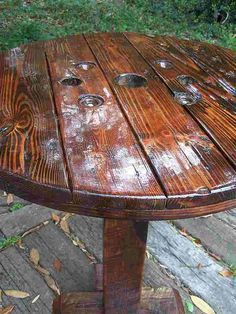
(127, 127)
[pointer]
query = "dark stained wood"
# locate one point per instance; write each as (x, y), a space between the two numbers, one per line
(163, 301)
(79, 303)
(76, 134)
(216, 107)
(140, 154)
(99, 277)
(102, 153)
(123, 259)
(183, 156)
(29, 142)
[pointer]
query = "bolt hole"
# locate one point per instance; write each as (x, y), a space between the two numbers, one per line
(71, 81)
(185, 80)
(130, 80)
(186, 99)
(164, 64)
(84, 65)
(90, 100)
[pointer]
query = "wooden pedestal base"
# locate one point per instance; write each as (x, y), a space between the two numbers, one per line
(160, 301)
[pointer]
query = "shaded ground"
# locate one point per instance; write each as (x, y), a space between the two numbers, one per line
(188, 254)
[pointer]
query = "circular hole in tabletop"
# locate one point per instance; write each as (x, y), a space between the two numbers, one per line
(165, 64)
(85, 65)
(71, 81)
(185, 79)
(186, 99)
(91, 100)
(130, 80)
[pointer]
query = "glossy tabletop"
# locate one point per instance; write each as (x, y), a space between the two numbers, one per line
(120, 125)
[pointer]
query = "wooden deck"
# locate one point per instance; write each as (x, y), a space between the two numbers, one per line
(67, 258)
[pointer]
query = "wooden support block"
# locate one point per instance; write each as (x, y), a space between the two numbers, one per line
(164, 300)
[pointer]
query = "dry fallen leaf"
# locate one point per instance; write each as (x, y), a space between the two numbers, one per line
(226, 273)
(7, 310)
(55, 218)
(66, 216)
(183, 232)
(17, 294)
(42, 270)
(10, 198)
(0, 296)
(199, 265)
(52, 284)
(64, 226)
(214, 256)
(202, 305)
(57, 264)
(197, 242)
(34, 256)
(35, 299)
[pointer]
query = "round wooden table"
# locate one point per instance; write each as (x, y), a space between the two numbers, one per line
(128, 127)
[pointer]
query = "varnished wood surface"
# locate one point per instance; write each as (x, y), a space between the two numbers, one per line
(164, 300)
(123, 259)
(140, 153)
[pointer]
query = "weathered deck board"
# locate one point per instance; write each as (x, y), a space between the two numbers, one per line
(16, 273)
(215, 234)
(77, 272)
(182, 257)
(18, 222)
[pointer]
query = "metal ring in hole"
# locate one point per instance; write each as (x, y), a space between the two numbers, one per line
(85, 65)
(130, 80)
(71, 81)
(91, 100)
(165, 64)
(185, 80)
(186, 99)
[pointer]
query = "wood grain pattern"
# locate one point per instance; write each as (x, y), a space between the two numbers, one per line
(29, 141)
(123, 258)
(138, 154)
(216, 106)
(183, 156)
(102, 153)
(163, 301)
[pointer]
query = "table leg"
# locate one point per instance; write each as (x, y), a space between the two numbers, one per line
(123, 259)
(119, 279)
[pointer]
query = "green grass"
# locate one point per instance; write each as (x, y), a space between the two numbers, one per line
(6, 242)
(44, 19)
(16, 206)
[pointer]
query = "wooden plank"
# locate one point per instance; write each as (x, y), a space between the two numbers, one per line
(182, 154)
(229, 217)
(18, 222)
(79, 303)
(17, 274)
(182, 258)
(89, 230)
(221, 65)
(215, 235)
(214, 111)
(76, 272)
(102, 153)
(163, 301)
(124, 253)
(29, 140)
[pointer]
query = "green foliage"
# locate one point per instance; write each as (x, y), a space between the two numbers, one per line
(16, 206)
(6, 242)
(232, 268)
(26, 21)
(189, 306)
